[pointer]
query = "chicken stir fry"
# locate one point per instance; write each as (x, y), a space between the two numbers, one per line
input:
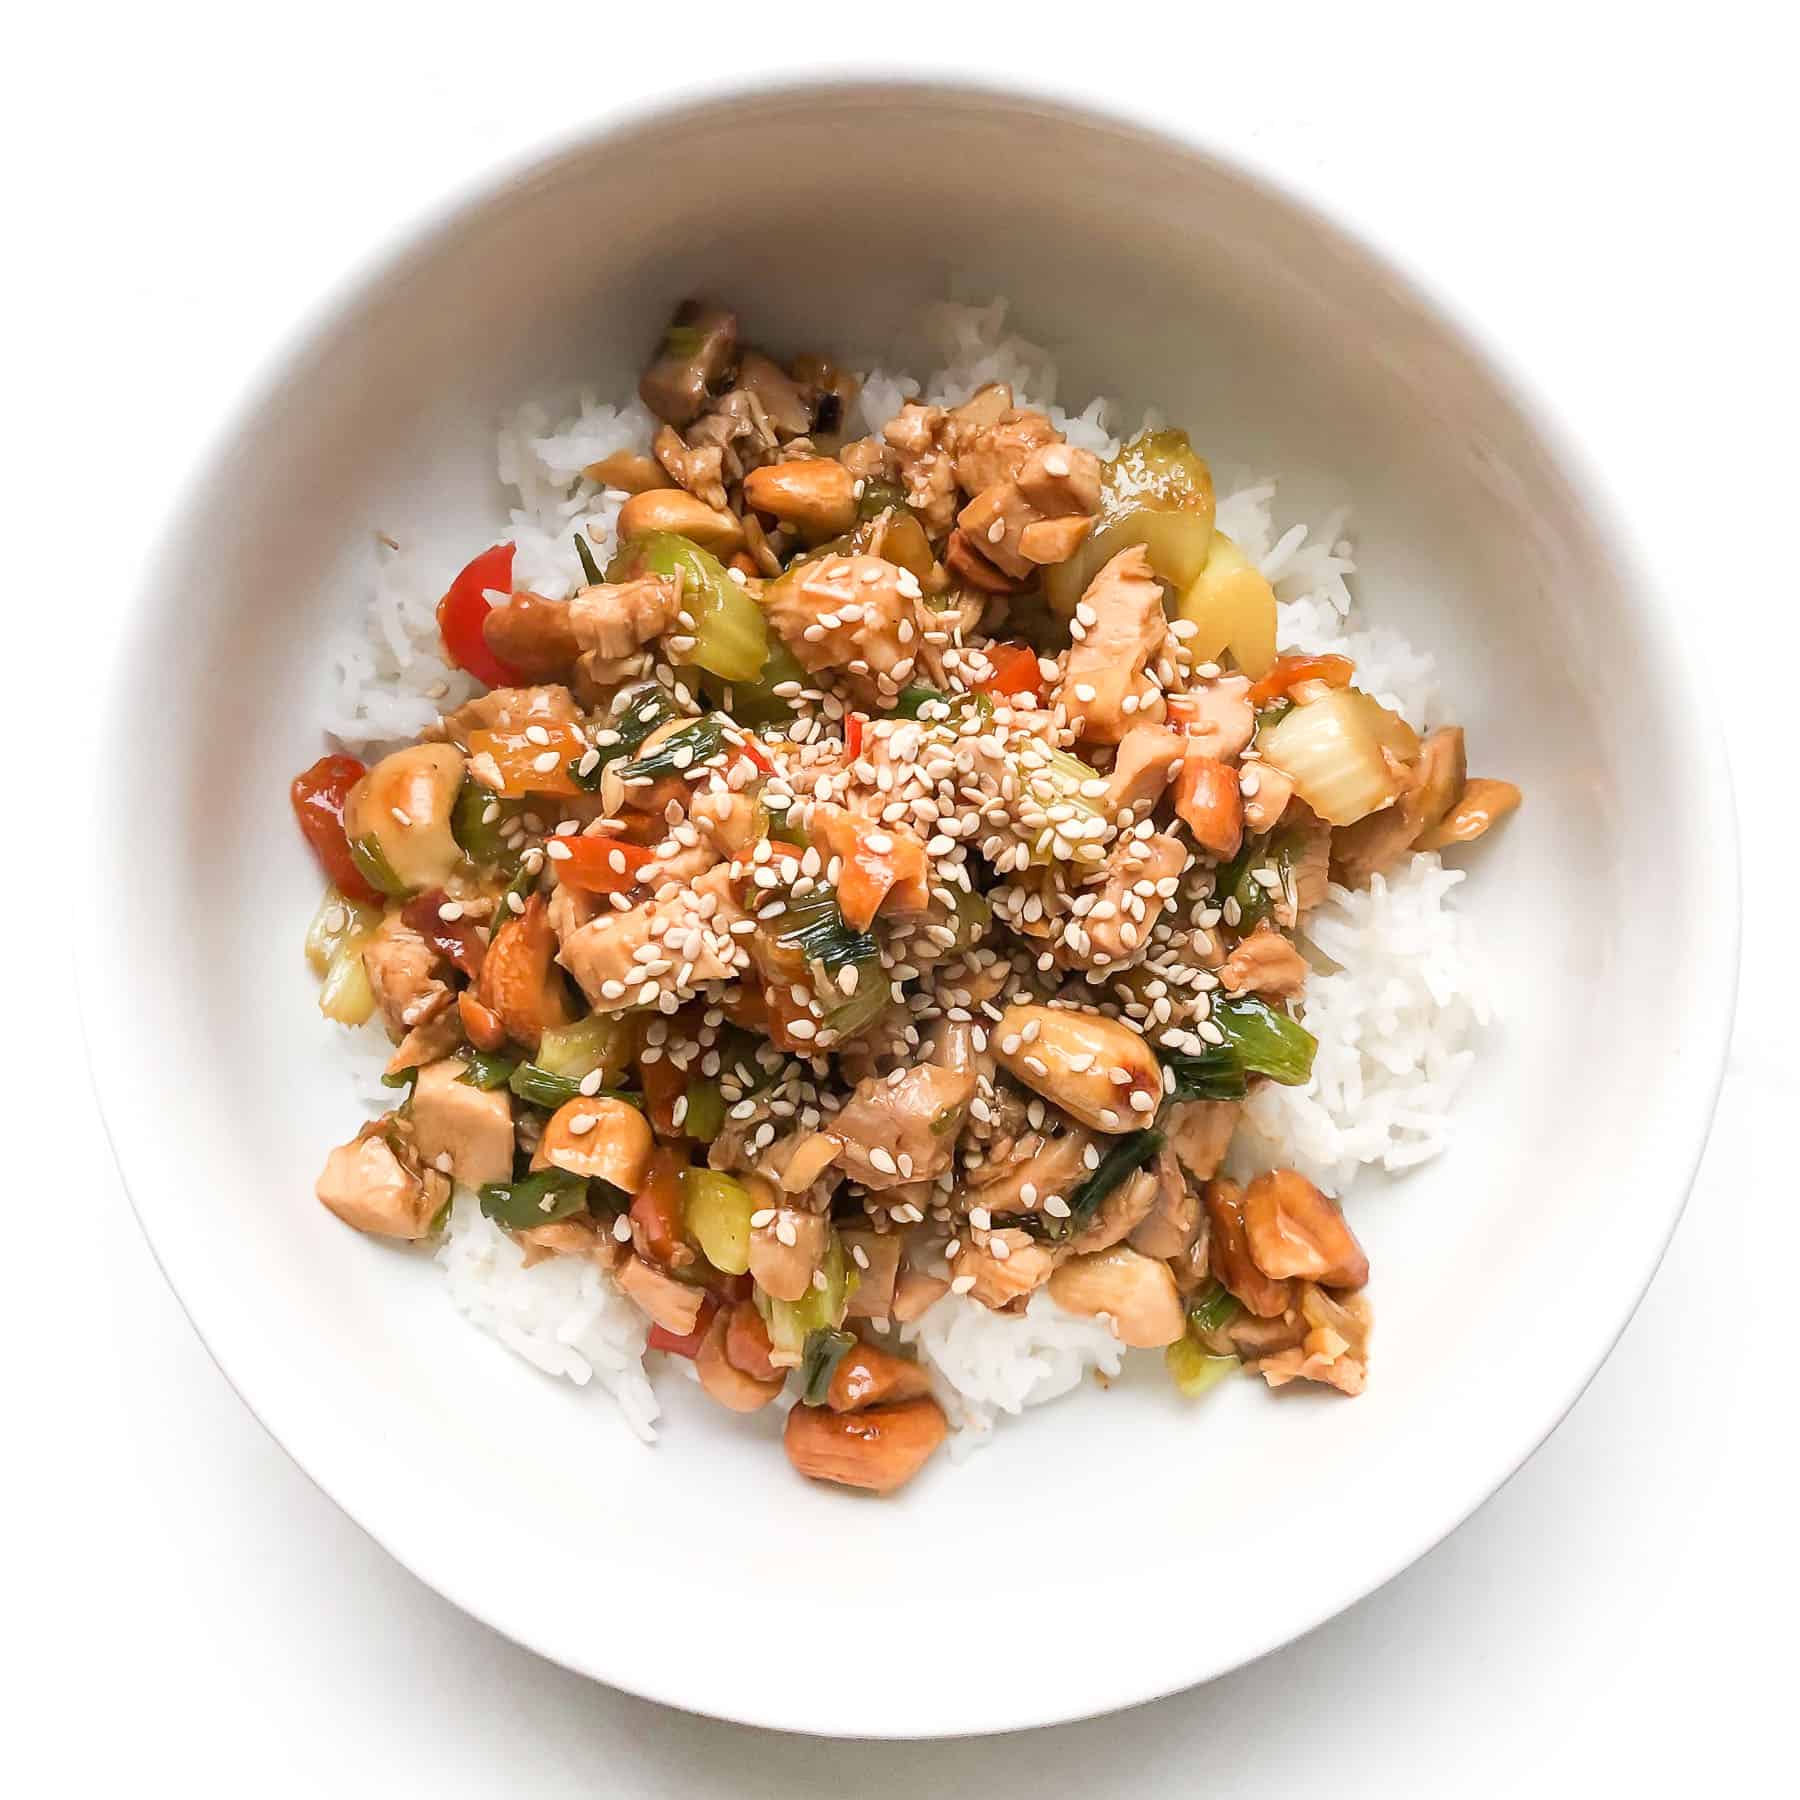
(886, 878)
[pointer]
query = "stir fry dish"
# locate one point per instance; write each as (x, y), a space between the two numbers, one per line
(884, 880)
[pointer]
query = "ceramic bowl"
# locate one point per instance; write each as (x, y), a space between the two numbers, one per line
(1123, 1544)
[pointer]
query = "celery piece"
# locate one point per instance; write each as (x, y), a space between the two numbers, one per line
(604, 1041)
(731, 638)
(791, 1322)
(1194, 1370)
(716, 1210)
(338, 921)
(705, 1115)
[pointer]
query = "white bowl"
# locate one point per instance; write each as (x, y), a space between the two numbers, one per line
(1122, 1544)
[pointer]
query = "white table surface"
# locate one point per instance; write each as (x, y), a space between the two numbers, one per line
(179, 1599)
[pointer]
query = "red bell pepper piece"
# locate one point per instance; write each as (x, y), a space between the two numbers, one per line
(600, 865)
(463, 611)
(1016, 671)
(689, 1345)
(318, 795)
(1290, 671)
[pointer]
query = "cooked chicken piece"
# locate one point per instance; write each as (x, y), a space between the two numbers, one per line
(577, 1235)
(870, 1377)
(1335, 1348)
(692, 930)
(1232, 1262)
(1047, 541)
(678, 862)
(732, 820)
(1118, 928)
(429, 1041)
(855, 614)
(1061, 481)
(1264, 963)
(902, 1127)
(614, 619)
(747, 1345)
(991, 439)
(1199, 1132)
(969, 568)
(1002, 1267)
(914, 1293)
(995, 523)
(1123, 623)
(1136, 1293)
(924, 466)
(1306, 840)
(519, 982)
(1173, 1221)
(1039, 1169)
(785, 1252)
(952, 1045)
(505, 709)
(783, 400)
(374, 1182)
(699, 469)
(1292, 1229)
(464, 1130)
(1192, 1267)
(697, 352)
(1221, 720)
(532, 635)
(674, 1305)
(867, 459)
(877, 1258)
(738, 428)
(1148, 759)
(406, 971)
(1118, 1215)
(880, 1449)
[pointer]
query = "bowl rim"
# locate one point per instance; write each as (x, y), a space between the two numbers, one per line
(111, 1049)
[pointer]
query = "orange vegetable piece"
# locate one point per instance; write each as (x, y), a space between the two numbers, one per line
(1290, 671)
(527, 766)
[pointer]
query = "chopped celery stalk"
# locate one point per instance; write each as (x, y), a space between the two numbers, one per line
(1211, 1309)
(1058, 780)
(1194, 1370)
(345, 994)
(819, 1361)
(877, 496)
(680, 750)
(479, 838)
(1232, 607)
(791, 1322)
(756, 702)
(338, 921)
(1127, 1155)
(485, 1071)
(604, 1041)
(1264, 1041)
(973, 918)
(705, 1115)
(373, 866)
(731, 639)
(1155, 492)
(1332, 749)
(532, 1082)
(716, 1211)
(538, 1199)
(589, 568)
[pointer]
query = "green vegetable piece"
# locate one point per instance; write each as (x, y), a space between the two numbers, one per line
(1264, 1041)
(1127, 1155)
(822, 1309)
(589, 568)
(539, 1199)
(373, 866)
(538, 1085)
(731, 638)
(716, 1210)
(819, 1361)
(486, 1071)
(680, 750)
(877, 496)
(1210, 1309)
(478, 839)
(600, 1041)
(1215, 1074)
(912, 699)
(814, 926)
(401, 1078)
(1195, 1370)
(705, 1115)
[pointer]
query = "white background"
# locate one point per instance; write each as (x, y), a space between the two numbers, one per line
(1610, 189)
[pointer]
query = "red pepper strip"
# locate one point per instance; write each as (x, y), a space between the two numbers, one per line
(853, 735)
(456, 940)
(688, 1346)
(463, 611)
(1290, 671)
(1016, 671)
(599, 865)
(318, 795)
(752, 751)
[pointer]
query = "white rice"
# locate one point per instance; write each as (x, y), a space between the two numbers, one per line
(1393, 1009)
